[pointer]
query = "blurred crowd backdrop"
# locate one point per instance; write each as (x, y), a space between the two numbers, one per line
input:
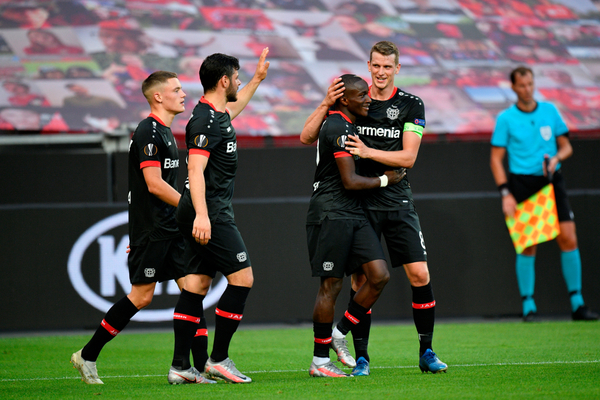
(76, 66)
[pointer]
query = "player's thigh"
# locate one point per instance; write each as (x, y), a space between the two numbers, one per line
(225, 252)
(366, 248)
(329, 246)
(403, 237)
(155, 261)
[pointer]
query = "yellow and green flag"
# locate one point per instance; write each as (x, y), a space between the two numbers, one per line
(535, 221)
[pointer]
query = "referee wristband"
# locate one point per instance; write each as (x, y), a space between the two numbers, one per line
(503, 189)
(384, 180)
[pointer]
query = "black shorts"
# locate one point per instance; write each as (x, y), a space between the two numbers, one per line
(156, 261)
(402, 232)
(225, 251)
(524, 186)
(340, 246)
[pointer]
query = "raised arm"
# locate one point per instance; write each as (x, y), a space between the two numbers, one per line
(310, 132)
(246, 93)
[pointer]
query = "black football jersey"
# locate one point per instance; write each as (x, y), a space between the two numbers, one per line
(152, 145)
(383, 128)
(330, 199)
(209, 132)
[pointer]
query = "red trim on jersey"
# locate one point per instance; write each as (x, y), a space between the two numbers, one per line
(341, 113)
(351, 318)
(201, 332)
(185, 317)
(228, 315)
(393, 92)
(152, 115)
(423, 306)
(201, 152)
(203, 100)
(323, 341)
(150, 163)
(109, 328)
(369, 312)
(339, 154)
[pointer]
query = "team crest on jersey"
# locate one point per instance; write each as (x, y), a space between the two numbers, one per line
(341, 141)
(201, 141)
(242, 256)
(392, 113)
(546, 132)
(150, 150)
(327, 266)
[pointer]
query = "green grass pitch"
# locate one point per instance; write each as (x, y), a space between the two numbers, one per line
(487, 360)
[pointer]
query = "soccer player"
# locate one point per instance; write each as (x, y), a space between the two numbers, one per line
(530, 131)
(389, 137)
(205, 218)
(340, 239)
(156, 246)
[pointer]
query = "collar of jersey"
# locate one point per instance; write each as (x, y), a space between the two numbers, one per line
(342, 114)
(393, 93)
(203, 100)
(156, 118)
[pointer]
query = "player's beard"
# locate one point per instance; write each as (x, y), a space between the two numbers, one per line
(231, 94)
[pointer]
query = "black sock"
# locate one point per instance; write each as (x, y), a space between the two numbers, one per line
(360, 333)
(424, 315)
(352, 317)
(115, 320)
(322, 332)
(185, 325)
(229, 312)
(200, 344)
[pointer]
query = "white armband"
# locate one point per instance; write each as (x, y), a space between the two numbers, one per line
(384, 180)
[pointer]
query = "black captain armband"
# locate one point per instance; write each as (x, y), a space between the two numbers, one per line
(503, 189)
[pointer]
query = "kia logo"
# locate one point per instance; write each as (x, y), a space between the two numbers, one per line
(113, 270)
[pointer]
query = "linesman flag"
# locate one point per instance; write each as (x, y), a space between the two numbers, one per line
(535, 221)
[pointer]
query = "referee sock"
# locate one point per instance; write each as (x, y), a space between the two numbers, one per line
(571, 269)
(200, 344)
(423, 304)
(115, 320)
(525, 267)
(322, 331)
(360, 333)
(185, 324)
(229, 312)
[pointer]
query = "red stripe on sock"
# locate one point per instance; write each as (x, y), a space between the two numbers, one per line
(201, 332)
(109, 328)
(423, 306)
(351, 318)
(185, 317)
(323, 341)
(225, 314)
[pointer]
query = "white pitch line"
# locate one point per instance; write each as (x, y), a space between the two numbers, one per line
(304, 370)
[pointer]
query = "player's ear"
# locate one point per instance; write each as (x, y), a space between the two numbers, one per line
(157, 97)
(225, 81)
(343, 101)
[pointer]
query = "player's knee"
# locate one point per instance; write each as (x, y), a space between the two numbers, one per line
(380, 280)
(419, 278)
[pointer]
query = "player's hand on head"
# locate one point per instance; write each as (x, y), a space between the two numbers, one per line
(334, 92)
